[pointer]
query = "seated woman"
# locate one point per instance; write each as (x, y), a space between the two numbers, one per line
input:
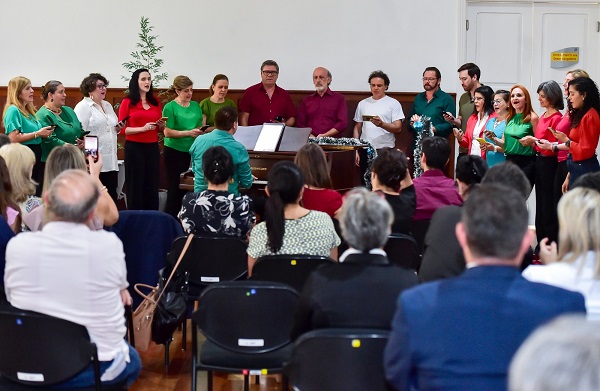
(20, 161)
(576, 265)
(9, 209)
(318, 193)
(390, 176)
(68, 157)
(361, 290)
(216, 211)
(288, 227)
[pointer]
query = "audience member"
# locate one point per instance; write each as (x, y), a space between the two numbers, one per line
(562, 355)
(184, 124)
(433, 188)
(495, 128)
(590, 180)
(141, 113)
(433, 103)
(215, 211)
(442, 256)
(266, 101)
(288, 227)
(98, 117)
(71, 272)
(324, 111)
(217, 99)
(56, 113)
(4, 139)
(578, 266)
(390, 177)
(22, 125)
(377, 119)
(484, 111)
(318, 193)
(226, 125)
(9, 209)
(461, 333)
(361, 291)
(67, 157)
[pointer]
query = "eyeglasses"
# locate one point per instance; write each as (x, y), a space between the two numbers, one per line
(270, 73)
(101, 86)
(497, 101)
(430, 78)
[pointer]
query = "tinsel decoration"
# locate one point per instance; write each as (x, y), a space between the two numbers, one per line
(422, 129)
(347, 141)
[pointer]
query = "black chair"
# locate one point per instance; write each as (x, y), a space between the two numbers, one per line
(339, 359)
(402, 250)
(292, 270)
(419, 230)
(38, 351)
(247, 326)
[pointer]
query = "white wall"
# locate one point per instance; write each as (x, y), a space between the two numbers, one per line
(67, 39)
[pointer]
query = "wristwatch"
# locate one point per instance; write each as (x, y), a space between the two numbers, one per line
(568, 143)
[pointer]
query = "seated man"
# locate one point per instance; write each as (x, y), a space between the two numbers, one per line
(433, 188)
(225, 127)
(361, 290)
(70, 272)
(461, 333)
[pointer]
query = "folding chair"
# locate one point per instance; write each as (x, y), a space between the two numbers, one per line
(292, 270)
(402, 250)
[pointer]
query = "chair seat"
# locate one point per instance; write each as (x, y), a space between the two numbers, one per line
(215, 358)
(9, 385)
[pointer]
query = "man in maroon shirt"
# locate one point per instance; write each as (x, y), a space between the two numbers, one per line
(266, 101)
(324, 111)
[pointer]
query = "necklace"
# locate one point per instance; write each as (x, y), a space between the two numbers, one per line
(54, 111)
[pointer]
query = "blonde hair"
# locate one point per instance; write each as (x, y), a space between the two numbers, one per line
(19, 160)
(182, 82)
(579, 221)
(62, 158)
(15, 86)
(578, 73)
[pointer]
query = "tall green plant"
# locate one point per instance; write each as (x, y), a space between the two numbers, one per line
(146, 55)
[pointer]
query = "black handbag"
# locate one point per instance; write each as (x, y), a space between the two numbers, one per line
(171, 306)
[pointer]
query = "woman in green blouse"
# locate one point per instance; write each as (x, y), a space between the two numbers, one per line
(217, 99)
(22, 125)
(54, 112)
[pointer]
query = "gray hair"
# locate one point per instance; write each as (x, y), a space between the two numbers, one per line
(562, 355)
(72, 196)
(365, 219)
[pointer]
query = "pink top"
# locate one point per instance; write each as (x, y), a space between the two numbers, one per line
(564, 125)
(542, 132)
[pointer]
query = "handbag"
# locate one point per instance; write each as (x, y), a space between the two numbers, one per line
(170, 307)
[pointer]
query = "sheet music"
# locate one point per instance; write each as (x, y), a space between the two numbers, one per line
(269, 137)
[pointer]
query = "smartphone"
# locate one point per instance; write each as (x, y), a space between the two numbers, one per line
(83, 134)
(125, 119)
(164, 119)
(367, 117)
(449, 114)
(481, 140)
(90, 147)
(279, 118)
(203, 128)
(513, 136)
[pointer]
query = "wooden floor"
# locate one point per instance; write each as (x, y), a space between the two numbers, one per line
(154, 377)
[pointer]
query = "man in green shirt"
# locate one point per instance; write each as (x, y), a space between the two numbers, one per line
(226, 124)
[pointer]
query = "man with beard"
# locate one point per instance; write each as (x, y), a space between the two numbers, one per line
(468, 75)
(433, 103)
(324, 111)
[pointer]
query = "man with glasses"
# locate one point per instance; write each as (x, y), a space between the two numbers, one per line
(266, 101)
(433, 103)
(324, 111)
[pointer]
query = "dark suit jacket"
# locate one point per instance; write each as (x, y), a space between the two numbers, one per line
(461, 333)
(361, 292)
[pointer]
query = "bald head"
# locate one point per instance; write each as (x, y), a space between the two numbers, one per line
(72, 197)
(321, 79)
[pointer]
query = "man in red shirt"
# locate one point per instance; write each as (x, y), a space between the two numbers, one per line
(266, 101)
(324, 111)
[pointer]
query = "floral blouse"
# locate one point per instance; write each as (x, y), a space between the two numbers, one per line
(217, 213)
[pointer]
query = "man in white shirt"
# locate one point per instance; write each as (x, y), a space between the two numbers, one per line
(377, 118)
(70, 272)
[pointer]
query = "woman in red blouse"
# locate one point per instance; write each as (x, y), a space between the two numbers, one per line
(143, 112)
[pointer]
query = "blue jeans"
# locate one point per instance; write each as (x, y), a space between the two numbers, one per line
(581, 167)
(86, 377)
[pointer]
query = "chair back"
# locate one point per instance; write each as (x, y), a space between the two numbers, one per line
(147, 236)
(247, 316)
(402, 250)
(419, 230)
(209, 260)
(42, 350)
(339, 359)
(292, 270)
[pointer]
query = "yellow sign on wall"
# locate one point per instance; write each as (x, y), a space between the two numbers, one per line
(561, 56)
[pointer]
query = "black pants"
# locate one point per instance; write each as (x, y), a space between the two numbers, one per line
(141, 175)
(526, 164)
(546, 219)
(559, 179)
(110, 179)
(38, 168)
(176, 162)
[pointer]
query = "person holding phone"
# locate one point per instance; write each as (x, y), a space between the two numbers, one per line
(217, 99)
(54, 112)
(140, 114)
(184, 123)
(494, 129)
(472, 138)
(22, 125)
(99, 119)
